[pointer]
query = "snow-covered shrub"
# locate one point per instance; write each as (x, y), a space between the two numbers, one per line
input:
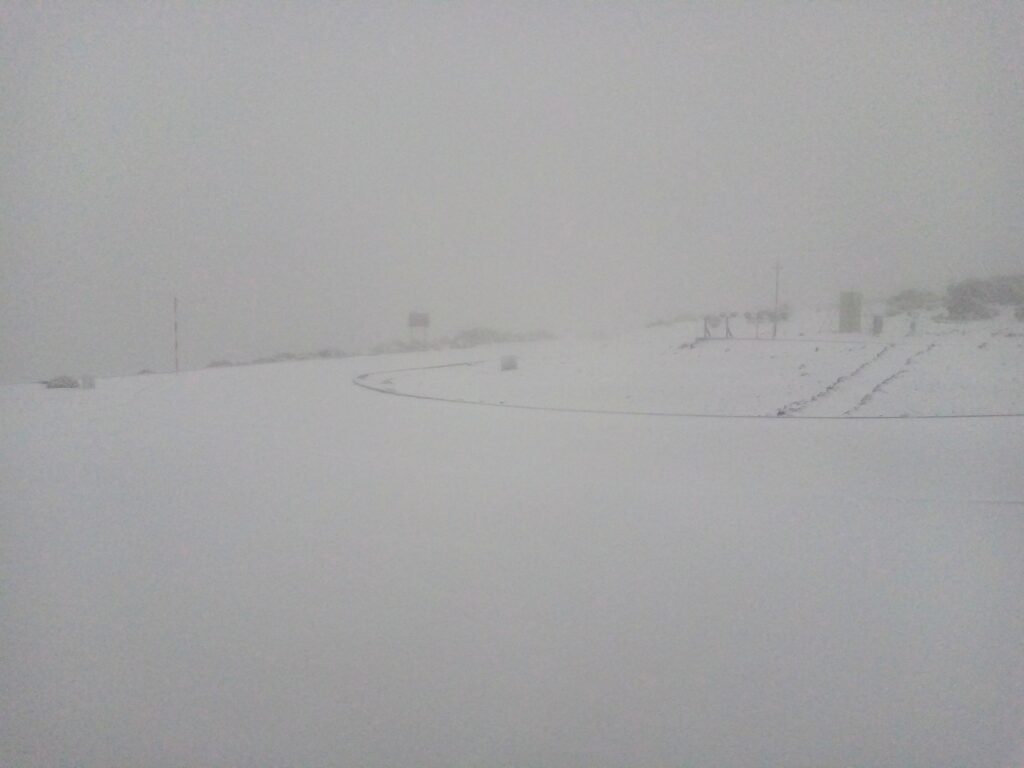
(62, 382)
(970, 299)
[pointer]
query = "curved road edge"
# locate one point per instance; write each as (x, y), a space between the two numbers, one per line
(361, 380)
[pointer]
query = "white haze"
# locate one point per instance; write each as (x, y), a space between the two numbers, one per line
(302, 175)
(600, 551)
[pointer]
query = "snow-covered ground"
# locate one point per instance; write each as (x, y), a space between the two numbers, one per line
(939, 370)
(268, 566)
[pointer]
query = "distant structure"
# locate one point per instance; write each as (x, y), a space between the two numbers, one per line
(419, 322)
(850, 303)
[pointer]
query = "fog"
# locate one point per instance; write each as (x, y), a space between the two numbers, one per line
(303, 176)
(638, 543)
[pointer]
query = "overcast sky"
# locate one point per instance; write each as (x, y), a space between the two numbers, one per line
(302, 175)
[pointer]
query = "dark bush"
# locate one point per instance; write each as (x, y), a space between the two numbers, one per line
(62, 382)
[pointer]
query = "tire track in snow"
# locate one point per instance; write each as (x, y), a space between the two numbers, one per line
(880, 385)
(365, 381)
(798, 405)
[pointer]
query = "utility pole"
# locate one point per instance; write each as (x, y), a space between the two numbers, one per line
(775, 314)
(175, 334)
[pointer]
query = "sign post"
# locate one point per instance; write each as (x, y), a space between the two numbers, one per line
(775, 313)
(419, 320)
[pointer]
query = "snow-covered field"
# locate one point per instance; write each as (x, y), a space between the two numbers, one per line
(268, 566)
(937, 371)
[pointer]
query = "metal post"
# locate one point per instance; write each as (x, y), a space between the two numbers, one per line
(175, 334)
(775, 317)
